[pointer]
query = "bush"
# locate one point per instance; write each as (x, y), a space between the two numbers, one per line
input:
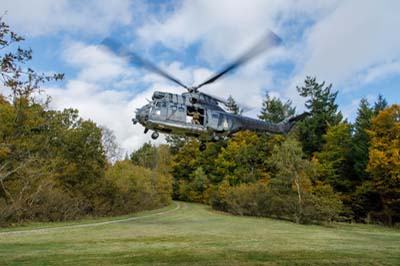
(278, 199)
(138, 188)
(48, 204)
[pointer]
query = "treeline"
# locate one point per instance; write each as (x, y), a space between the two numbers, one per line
(53, 167)
(53, 164)
(326, 169)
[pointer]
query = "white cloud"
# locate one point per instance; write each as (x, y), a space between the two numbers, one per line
(225, 27)
(355, 36)
(41, 17)
(98, 93)
(95, 63)
(381, 71)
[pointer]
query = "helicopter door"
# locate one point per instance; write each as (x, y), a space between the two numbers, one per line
(195, 115)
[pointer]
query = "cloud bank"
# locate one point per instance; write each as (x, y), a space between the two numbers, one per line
(352, 44)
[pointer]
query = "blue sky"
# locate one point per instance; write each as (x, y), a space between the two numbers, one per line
(353, 44)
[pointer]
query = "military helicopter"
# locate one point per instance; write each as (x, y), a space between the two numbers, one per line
(195, 113)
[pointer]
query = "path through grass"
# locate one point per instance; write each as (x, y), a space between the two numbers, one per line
(195, 235)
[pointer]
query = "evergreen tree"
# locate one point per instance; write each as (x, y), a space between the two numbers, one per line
(361, 139)
(336, 158)
(324, 113)
(233, 107)
(274, 110)
(380, 104)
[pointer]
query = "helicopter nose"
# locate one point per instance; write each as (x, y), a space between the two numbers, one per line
(141, 116)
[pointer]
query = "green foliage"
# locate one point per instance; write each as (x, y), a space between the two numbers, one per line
(243, 159)
(145, 156)
(380, 105)
(176, 142)
(274, 110)
(361, 139)
(289, 194)
(336, 158)
(324, 113)
(137, 188)
(53, 164)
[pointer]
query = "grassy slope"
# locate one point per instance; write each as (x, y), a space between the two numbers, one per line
(195, 235)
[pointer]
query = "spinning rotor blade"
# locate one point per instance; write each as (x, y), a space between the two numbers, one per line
(268, 41)
(117, 48)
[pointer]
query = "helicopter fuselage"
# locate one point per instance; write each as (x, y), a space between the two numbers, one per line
(197, 115)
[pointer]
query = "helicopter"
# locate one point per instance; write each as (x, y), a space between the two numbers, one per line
(195, 113)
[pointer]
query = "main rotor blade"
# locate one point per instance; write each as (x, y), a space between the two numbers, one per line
(268, 41)
(118, 49)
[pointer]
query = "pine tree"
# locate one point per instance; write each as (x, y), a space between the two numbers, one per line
(321, 104)
(274, 110)
(336, 158)
(233, 107)
(380, 104)
(361, 139)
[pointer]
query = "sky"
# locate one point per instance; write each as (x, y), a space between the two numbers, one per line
(353, 44)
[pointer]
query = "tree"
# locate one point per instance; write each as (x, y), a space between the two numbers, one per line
(233, 106)
(288, 159)
(384, 162)
(22, 81)
(380, 104)
(314, 202)
(111, 148)
(243, 159)
(274, 110)
(184, 163)
(361, 139)
(336, 158)
(324, 113)
(176, 142)
(145, 156)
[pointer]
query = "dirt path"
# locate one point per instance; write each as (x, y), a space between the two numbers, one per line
(45, 230)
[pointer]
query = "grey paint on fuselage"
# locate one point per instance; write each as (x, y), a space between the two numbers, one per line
(168, 113)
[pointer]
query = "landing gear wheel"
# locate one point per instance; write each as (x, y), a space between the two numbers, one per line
(155, 135)
(202, 147)
(146, 130)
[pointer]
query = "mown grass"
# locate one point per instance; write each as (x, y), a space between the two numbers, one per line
(195, 235)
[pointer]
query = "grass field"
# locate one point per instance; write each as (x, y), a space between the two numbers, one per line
(191, 234)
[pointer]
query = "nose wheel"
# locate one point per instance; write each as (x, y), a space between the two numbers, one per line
(155, 135)
(202, 146)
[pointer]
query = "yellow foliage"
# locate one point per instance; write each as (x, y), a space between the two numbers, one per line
(384, 153)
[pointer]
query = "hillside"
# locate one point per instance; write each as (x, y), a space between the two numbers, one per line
(192, 234)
